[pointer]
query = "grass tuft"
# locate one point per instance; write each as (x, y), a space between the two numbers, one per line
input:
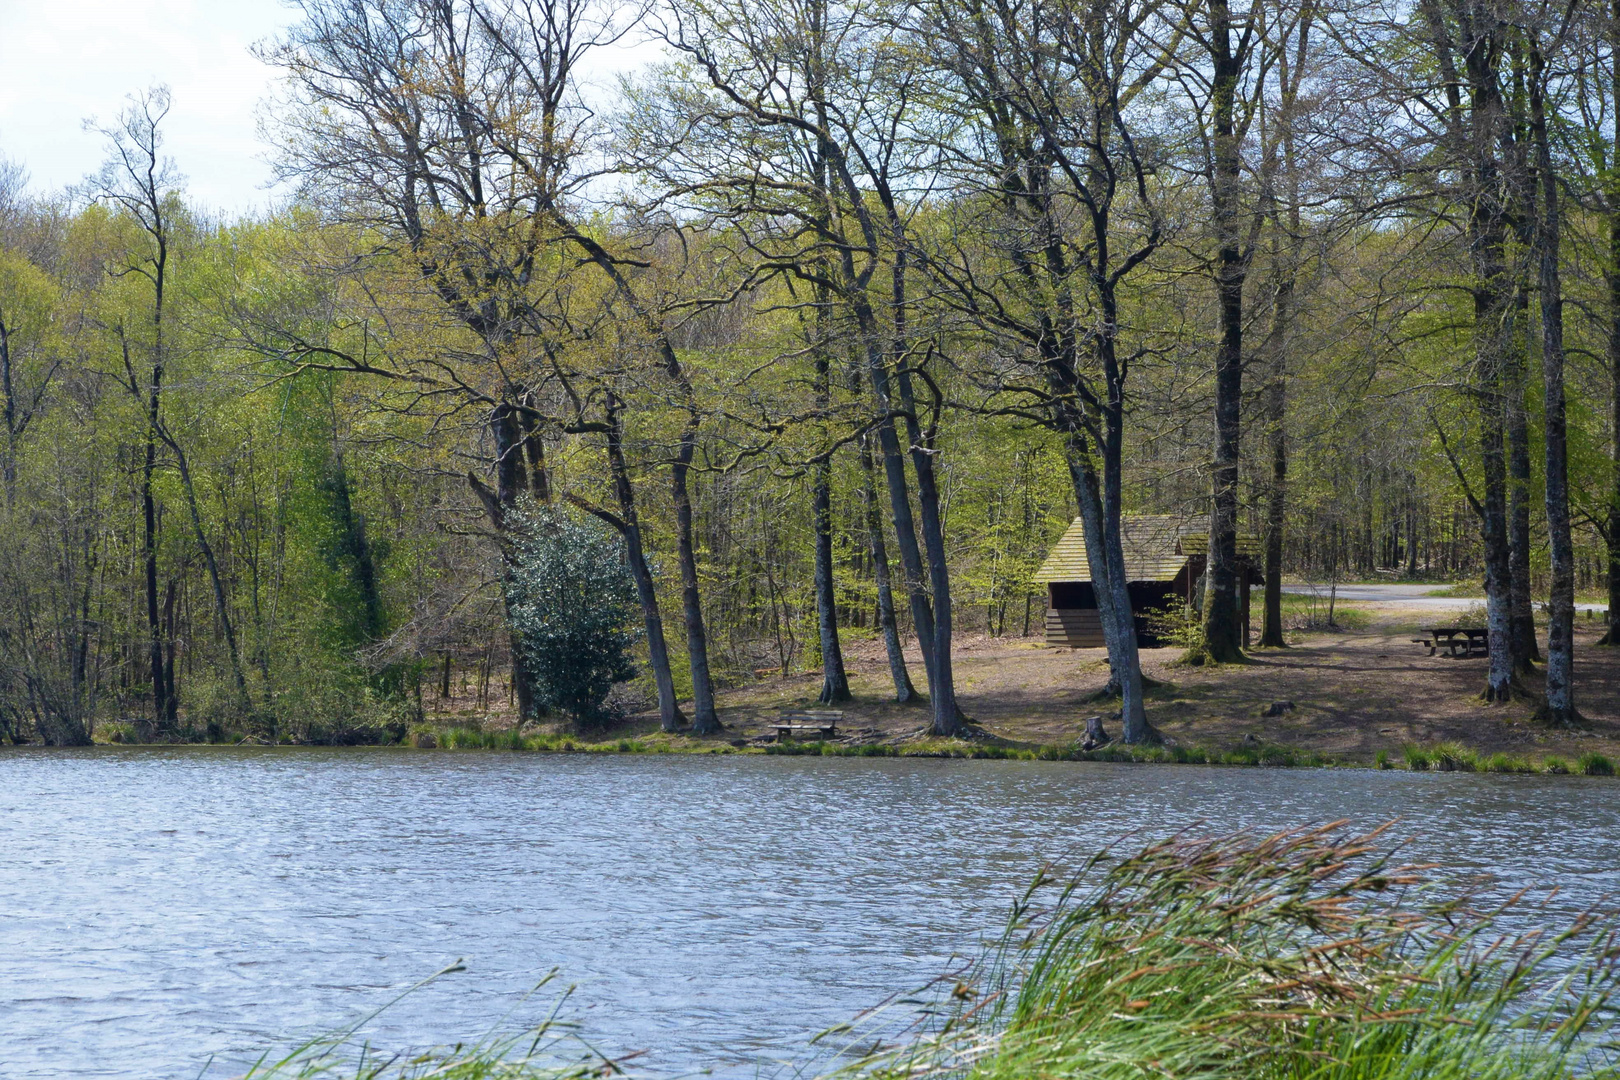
(1594, 764)
(1454, 757)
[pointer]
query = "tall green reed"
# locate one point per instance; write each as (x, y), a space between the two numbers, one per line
(1307, 955)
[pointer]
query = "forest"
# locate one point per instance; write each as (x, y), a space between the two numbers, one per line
(828, 324)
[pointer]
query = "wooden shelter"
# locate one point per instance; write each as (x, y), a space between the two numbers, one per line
(1164, 558)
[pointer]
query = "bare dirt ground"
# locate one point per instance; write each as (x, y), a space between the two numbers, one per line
(1354, 693)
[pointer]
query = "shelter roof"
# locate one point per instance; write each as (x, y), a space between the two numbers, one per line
(1149, 540)
(1156, 547)
(1249, 546)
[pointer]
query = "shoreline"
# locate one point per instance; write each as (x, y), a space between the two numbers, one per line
(1438, 757)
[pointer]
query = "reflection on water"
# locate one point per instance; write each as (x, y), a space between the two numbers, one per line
(163, 907)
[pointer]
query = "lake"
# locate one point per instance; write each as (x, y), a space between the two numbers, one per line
(162, 908)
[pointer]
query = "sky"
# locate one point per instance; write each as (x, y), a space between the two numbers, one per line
(65, 61)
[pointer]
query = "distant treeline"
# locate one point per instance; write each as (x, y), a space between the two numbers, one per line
(835, 320)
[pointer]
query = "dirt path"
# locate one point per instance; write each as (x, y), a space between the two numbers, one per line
(1353, 693)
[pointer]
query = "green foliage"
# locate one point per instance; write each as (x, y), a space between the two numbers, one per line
(1306, 954)
(1177, 625)
(1594, 764)
(572, 606)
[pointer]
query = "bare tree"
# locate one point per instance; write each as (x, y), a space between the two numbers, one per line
(1046, 90)
(139, 180)
(787, 147)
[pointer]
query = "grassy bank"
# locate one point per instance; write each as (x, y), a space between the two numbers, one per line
(1441, 757)
(1309, 955)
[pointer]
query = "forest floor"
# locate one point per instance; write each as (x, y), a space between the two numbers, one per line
(1354, 692)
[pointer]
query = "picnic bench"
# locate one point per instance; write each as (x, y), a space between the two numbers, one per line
(822, 722)
(1457, 641)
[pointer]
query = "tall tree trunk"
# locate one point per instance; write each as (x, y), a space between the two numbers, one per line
(221, 609)
(11, 415)
(1611, 274)
(1489, 311)
(1271, 632)
(1222, 626)
(704, 719)
(1522, 614)
(904, 692)
(894, 471)
(1125, 654)
(154, 627)
(834, 680)
(942, 692)
(511, 480)
(171, 717)
(1478, 129)
(628, 523)
(1099, 513)
(947, 717)
(1560, 703)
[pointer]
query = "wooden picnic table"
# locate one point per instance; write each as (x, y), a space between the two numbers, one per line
(822, 722)
(1457, 641)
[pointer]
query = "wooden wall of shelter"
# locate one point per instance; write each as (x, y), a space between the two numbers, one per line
(1164, 558)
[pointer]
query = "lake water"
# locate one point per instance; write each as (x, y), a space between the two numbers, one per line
(160, 908)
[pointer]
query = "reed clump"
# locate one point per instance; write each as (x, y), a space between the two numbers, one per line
(1307, 955)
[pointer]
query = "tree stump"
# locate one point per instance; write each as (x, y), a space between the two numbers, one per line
(1095, 735)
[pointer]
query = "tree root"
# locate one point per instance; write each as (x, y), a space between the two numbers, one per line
(1574, 721)
(1199, 656)
(1516, 691)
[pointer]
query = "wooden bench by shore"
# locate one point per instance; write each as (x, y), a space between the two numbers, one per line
(791, 723)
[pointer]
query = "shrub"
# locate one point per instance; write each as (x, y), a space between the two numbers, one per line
(1594, 764)
(1176, 625)
(573, 609)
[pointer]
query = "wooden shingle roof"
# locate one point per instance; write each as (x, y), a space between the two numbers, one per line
(1248, 545)
(1156, 547)
(1149, 540)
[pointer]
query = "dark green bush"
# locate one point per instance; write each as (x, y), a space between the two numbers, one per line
(573, 608)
